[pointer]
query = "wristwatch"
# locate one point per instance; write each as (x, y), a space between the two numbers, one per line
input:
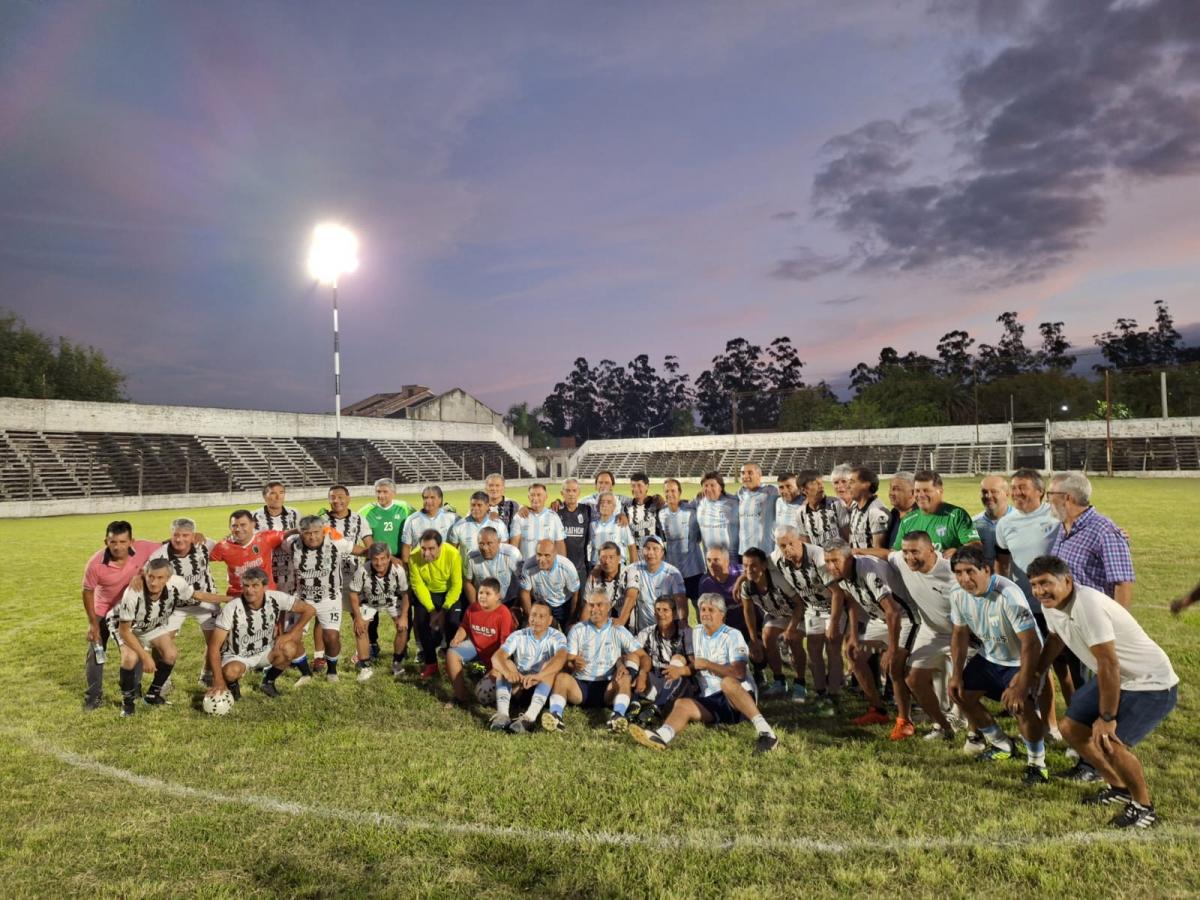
(1108, 718)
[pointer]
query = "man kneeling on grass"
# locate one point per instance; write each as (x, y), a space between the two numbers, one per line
(527, 664)
(244, 637)
(1135, 687)
(596, 678)
(725, 698)
(486, 625)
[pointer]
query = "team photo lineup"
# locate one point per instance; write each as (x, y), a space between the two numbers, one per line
(664, 610)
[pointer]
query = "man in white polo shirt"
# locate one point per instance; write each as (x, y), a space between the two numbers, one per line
(1135, 687)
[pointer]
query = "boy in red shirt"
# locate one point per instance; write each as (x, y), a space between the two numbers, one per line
(486, 625)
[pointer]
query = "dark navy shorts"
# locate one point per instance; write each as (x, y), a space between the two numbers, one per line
(984, 675)
(720, 709)
(1138, 712)
(593, 693)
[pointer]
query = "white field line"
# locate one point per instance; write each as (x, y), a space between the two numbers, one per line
(686, 840)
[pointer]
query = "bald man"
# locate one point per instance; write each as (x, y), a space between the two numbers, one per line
(993, 491)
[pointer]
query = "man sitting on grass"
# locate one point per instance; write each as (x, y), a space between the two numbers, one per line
(527, 663)
(665, 672)
(486, 625)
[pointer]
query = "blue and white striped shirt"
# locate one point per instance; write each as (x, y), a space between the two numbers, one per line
(665, 582)
(756, 518)
(503, 567)
(465, 533)
(554, 585)
(789, 513)
(997, 618)
(529, 653)
(601, 648)
(681, 531)
(419, 522)
(723, 647)
(718, 520)
(543, 526)
(609, 530)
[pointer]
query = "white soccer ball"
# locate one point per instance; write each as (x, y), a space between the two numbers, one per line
(218, 704)
(485, 691)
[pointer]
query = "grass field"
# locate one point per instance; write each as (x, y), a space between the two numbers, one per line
(373, 789)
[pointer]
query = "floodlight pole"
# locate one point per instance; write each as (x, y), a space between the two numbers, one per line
(337, 391)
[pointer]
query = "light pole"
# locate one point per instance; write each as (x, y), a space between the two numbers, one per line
(332, 254)
(650, 431)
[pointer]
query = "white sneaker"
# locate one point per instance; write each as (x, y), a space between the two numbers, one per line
(332, 677)
(365, 673)
(1055, 735)
(167, 687)
(937, 733)
(1072, 754)
(975, 744)
(303, 680)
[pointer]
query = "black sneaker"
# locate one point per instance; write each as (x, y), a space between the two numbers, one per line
(1036, 775)
(552, 722)
(647, 738)
(996, 752)
(765, 743)
(1081, 773)
(1107, 794)
(235, 688)
(269, 688)
(152, 699)
(499, 722)
(1134, 815)
(91, 703)
(519, 726)
(128, 707)
(617, 723)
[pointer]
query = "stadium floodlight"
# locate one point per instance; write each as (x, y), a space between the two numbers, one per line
(332, 254)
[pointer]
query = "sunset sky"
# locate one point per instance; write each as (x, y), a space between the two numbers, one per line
(534, 182)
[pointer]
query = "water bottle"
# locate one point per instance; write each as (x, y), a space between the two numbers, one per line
(98, 653)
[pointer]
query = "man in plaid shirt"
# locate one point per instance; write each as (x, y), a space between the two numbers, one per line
(1091, 544)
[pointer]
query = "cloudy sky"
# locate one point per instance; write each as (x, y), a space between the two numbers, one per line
(535, 181)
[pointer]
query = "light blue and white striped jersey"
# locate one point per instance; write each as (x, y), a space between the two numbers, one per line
(465, 533)
(681, 532)
(418, 523)
(789, 513)
(665, 582)
(997, 619)
(756, 518)
(529, 653)
(601, 648)
(505, 567)
(554, 585)
(723, 647)
(543, 526)
(718, 520)
(593, 499)
(609, 530)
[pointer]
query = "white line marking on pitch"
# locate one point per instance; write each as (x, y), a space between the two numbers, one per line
(691, 840)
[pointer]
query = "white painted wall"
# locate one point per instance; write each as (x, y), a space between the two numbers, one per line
(1127, 428)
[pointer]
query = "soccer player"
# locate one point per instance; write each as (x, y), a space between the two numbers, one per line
(275, 516)
(613, 578)
(352, 526)
(803, 567)
(432, 514)
(486, 625)
(593, 676)
(680, 528)
(665, 673)
(901, 494)
(719, 660)
(435, 578)
(498, 504)
(536, 524)
(607, 528)
(1135, 687)
(549, 577)
(188, 558)
(790, 503)
(386, 516)
(379, 586)
(642, 510)
(147, 618)
(1091, 544)
(318, 562)
(653, 578)
(604, 485)
(948, 526)
(890, 628)
(996, 613)
(766, 594)
(249, 634)
(756, 510)
(105, 579)
(868, 515)
(576, 521)
(929, 581)
(822, 518)
(247, 548)
(528, 662)
(993, 493)
(492, 559)
(464, 534)
(717, 514)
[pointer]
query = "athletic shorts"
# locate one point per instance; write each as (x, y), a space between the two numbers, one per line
(981, 674)
(560, 614)
(147, 638)
(465, 651)
(370, 612)
(930, 650)
(250, 662)
(816, 621)
(329, 614)
(720, 709)
(1138, 712)
(593, 693)
(877, 632)
(667, 692)
(204, 613)
(768, 621)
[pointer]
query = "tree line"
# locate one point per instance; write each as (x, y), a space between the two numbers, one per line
(751, 388)
(34, 365)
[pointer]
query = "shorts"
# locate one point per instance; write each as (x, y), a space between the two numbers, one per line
(560, 614)
(1138, 712)
(876, 632)
(370, 612)
(465, 651)
(981, 674)
(691, 586)
(667, 692)
(719, 707)
(329, 614)
(204, 613)
(930, 650)
(250, 662)
(816, 621)
(145, 639)
(769, 621)
(593, 693)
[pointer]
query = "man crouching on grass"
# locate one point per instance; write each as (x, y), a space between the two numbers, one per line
(725, 698)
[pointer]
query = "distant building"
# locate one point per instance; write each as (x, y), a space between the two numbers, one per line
(396, 405)
(415, 401)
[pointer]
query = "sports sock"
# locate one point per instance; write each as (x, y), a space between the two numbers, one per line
(620, 704)
(301, 663)
(128, 683)
(271, 674)
(666, 732)
(537, 702)
(235, 688)
(557, 704)
(761, 726)
(363, 663)
(1036, 751)
(332, 661)
(161, 673)
(318, 654)
(651, 693)
(995, 736)
(503, 696)
(397, 657)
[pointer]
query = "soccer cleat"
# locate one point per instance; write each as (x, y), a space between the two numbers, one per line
(365, 674)
(634, 710)
(1081, 773)
(1134, 815)
(646, 715)
(519, 726)
(303, 680)
(167, 687)
(647, 738)
(269, 688)
(552, 722)
(236, 689)
(91, 703)
(206, 679)
(499, 722)
(825, 707)
(429, 671)
(996, 752)
(902, 730)
(938, 733)
(128, 707)
(332, 678)
(617, 723)
(975, 744)
(397, 670)
(152, 699)
(1107, 794)
(777, 688)
(1036, 775)
(799, 693)
(872, 717)
(319, 664)
(765, 743)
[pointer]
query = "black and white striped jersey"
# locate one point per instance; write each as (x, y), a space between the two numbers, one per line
(808, 578)
(146, 613)
(192, 566)
(868, 521)
(251, 631)
(825, 523)
(643, 520)
(776, 599)
(317, 571)
(377, 591)
(869, 582)
(265, 520)
(615, 587)
(352, 526)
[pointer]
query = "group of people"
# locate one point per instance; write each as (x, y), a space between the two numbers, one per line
(588, 601)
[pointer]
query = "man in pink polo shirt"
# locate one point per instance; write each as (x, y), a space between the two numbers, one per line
(105, 579)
